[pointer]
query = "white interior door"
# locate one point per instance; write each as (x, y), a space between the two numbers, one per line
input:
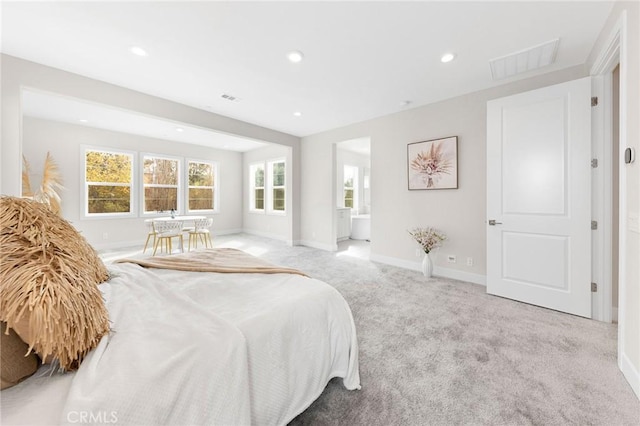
(539, 197)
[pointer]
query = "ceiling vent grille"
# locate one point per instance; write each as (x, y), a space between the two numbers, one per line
(525, 60)
(230, 98)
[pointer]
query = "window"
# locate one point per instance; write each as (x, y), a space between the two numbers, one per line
(161, 180)
(268, 187)
(350, 187)
(277, 186)
(108, 182)
(202, 186)
(256, 177)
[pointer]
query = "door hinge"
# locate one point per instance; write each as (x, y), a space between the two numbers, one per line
(594, 287)
(594, 101)
(594, 224)
(594, 163)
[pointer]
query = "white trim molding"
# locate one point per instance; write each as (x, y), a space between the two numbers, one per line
(277, 237)
(226, 231)
(630, 373)
(438, 271)
(615, 51)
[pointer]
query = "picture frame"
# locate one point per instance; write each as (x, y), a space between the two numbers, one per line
(433, 164)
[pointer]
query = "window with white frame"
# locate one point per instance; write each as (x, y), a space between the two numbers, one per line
(161, 183)
(108, 182)
(351, 187)
(268, 187)
(202, 191)
(256, 177)
(276, 182)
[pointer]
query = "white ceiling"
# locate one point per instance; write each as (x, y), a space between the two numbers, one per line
(361, 59)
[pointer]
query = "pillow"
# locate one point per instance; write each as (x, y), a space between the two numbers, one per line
(48, 282)
(18, 362)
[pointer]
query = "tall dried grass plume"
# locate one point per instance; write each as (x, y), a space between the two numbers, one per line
(50, 186)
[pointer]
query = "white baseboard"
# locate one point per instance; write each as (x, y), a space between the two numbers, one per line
(317, 245)
(394, 261)
(265, 235)
(227, 231)
(437, 270)
(460, 275)
(630, 373)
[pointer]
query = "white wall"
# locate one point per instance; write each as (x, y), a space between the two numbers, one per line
(460, 213)
(268, 225)
(17, 73)
(64, 142)
(629, 287)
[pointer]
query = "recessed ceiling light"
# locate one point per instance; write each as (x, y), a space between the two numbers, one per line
(405, 103)
(83, 120)
(295, 56)
(297, 114)
(137, 50)
(179, 129)
(448, 57)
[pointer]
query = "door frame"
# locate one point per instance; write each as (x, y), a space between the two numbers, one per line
(601, 196)
(613, 52)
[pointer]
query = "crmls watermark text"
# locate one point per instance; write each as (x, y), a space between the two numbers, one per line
(89, 417)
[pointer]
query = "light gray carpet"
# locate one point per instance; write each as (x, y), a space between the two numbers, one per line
(443, 352)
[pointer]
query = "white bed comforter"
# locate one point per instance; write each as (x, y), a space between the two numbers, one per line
(204, 348)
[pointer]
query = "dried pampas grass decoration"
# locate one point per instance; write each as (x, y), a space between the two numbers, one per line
(48, 283)
(26, 182)
(50, 185)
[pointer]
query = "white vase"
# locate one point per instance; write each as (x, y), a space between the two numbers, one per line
(427, 266)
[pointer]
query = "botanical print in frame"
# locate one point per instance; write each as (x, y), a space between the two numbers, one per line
(433, 164)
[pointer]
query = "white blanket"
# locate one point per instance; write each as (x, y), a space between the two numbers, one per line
(205, 348)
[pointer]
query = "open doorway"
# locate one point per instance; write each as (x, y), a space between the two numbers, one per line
(353, 195)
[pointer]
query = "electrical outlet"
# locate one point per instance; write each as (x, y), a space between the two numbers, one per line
(418, 252)
(105, 235)
(469, 261)
(451, 258)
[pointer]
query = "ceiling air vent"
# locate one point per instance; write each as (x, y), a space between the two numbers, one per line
(230, 98)
(525, 60)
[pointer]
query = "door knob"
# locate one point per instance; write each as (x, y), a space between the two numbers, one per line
(492, 222)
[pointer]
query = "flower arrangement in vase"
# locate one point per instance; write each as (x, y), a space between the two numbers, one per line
(429, 239)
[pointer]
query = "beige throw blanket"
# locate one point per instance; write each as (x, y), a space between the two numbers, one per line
(224, 260)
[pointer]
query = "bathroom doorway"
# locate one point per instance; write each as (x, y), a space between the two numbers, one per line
(353, 192)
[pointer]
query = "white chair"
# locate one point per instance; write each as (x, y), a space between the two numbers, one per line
(166, 231)
(201, 231)
(151, 232)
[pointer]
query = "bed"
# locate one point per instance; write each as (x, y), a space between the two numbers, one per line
(190, 347)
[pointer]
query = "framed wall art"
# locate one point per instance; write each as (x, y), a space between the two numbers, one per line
(433, 164)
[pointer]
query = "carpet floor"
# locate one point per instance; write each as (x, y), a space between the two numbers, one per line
(443, 352)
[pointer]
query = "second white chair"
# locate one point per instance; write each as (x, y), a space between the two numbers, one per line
(201, 230)
(166, 231)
